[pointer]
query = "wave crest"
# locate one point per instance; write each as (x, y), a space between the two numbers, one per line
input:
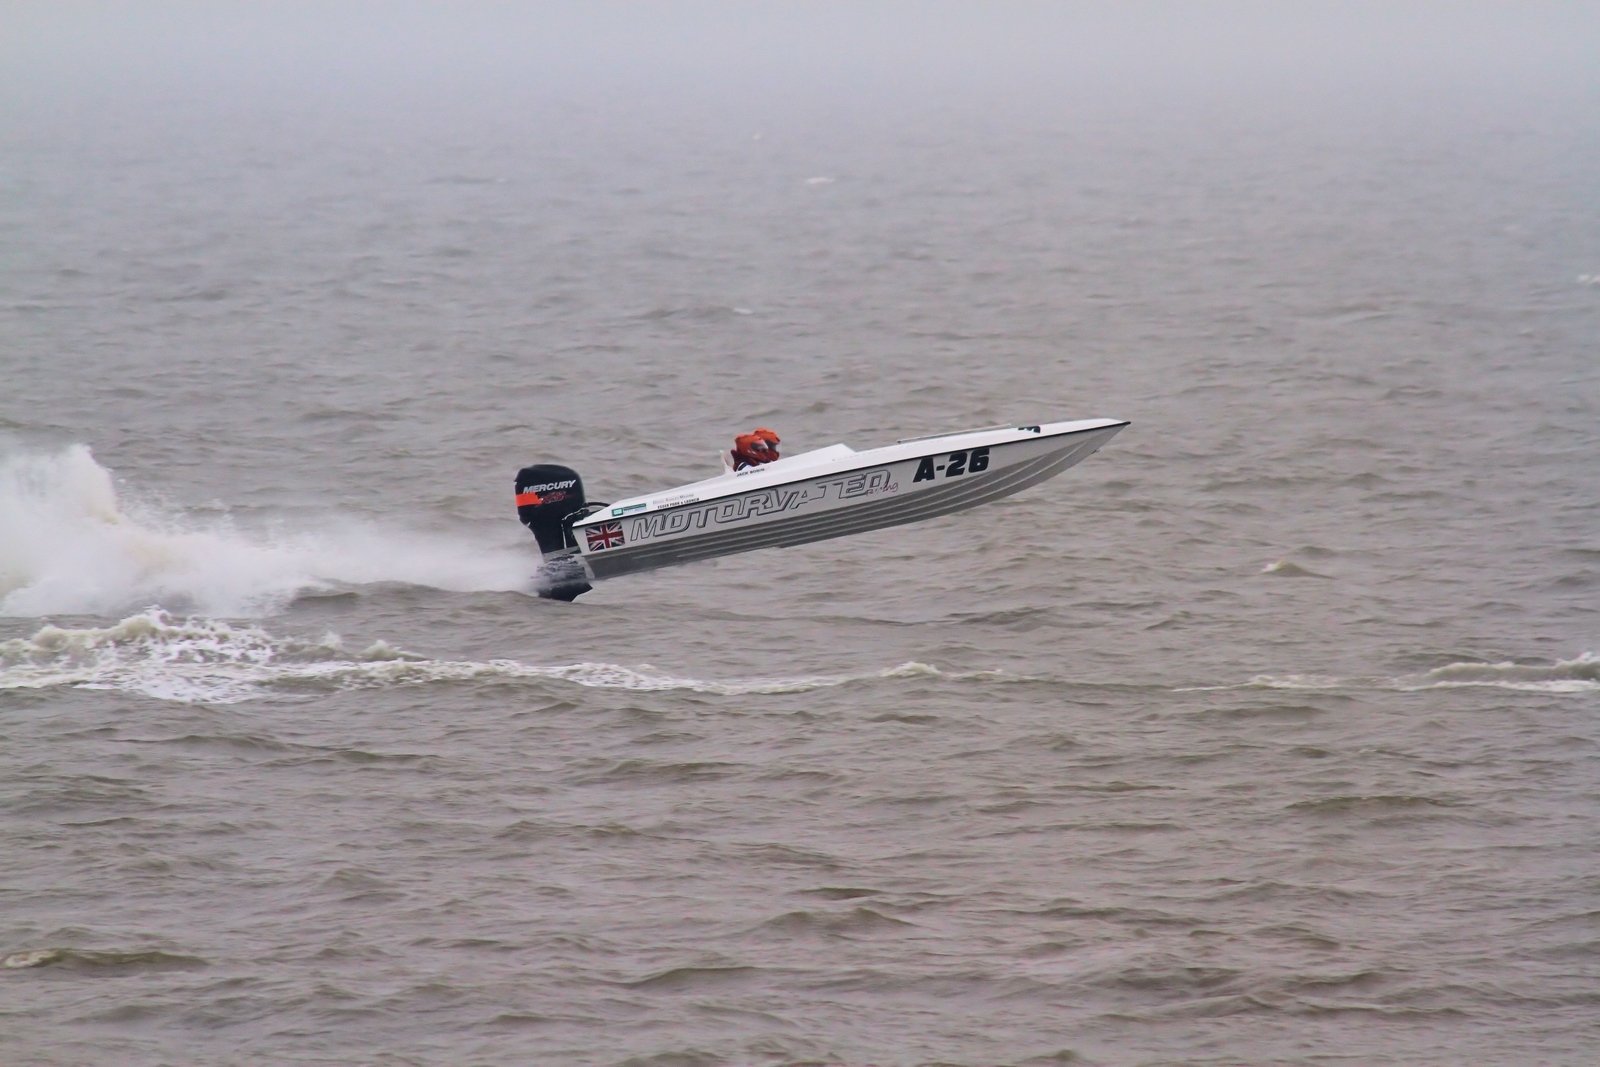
(201, 660)
(1579, 675)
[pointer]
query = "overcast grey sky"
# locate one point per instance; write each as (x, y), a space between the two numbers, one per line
(861, 42)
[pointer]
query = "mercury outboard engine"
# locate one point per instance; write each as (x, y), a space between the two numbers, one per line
(549, 498)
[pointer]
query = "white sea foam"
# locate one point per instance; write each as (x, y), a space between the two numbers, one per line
(1580, 675)
(36, 958)
(201, 660)
(68, 546)
(1284, 569)
(1292, 681)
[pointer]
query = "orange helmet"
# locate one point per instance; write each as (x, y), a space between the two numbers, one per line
(755, 448)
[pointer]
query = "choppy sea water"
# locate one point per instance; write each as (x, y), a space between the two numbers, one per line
(1267, 735)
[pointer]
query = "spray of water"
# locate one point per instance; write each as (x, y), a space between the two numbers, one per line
(67, 546)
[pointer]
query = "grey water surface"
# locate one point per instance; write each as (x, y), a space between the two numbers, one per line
(1270, 734)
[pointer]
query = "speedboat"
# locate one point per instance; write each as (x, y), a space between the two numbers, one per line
(813, 496)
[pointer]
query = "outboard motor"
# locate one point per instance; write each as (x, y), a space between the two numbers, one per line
(548, 498)
(547, 494)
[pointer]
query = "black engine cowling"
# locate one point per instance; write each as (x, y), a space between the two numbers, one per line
(548, 495)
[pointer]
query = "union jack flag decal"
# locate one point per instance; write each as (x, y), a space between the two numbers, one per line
(606, 535)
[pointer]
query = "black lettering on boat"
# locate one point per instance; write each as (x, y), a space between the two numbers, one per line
(677, 521)
(925, 470)
(647, 526)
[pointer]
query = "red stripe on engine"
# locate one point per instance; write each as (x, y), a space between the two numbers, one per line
(524, 499)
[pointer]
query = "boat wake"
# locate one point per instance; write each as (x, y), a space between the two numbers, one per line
(201, 660)
(68, 545)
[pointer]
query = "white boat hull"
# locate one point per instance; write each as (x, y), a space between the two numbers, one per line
(830, 493)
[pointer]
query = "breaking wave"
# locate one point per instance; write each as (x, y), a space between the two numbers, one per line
(1580, 675)
(200, 660)
(68, 546)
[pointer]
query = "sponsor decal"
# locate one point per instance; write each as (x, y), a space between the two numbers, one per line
(674, 501)
(766, 502)
(547, 493)
(606, 535)
(630, 507)
(864, 483)
(525, 499)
